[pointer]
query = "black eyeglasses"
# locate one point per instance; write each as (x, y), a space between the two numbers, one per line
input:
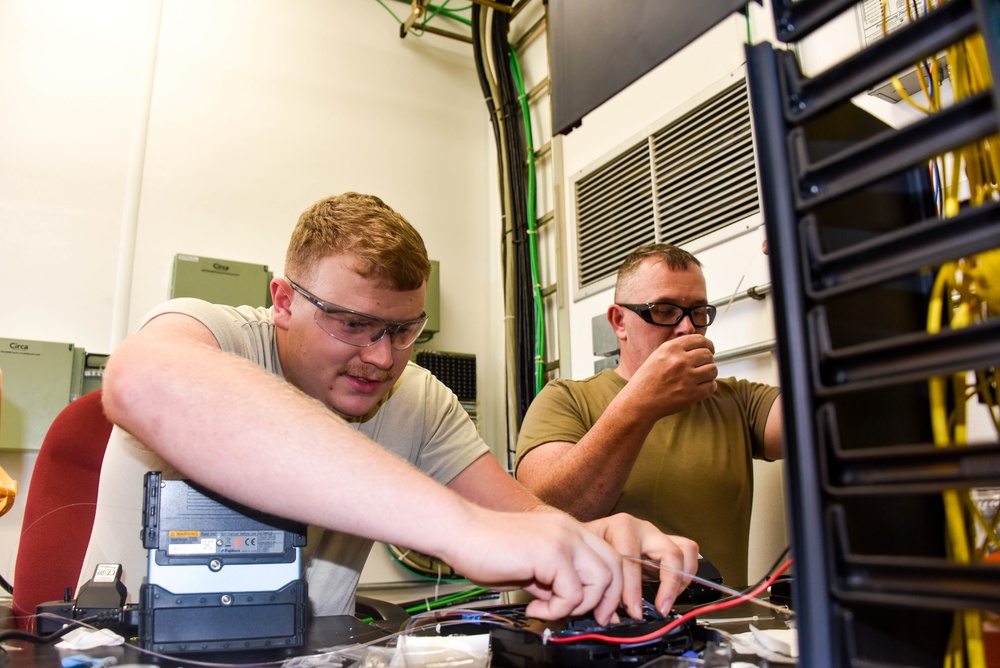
(361, 329)
(666, 314)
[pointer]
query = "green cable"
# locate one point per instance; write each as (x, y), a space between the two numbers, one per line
(746, 12)
(386, 7)
(434, 11)
(439, 603)
(447, 600)
(450, 13)
(532, 229)
(415, 571)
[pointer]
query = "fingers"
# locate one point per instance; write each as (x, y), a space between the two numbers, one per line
(677, 556)
(678, 374)
(692, 354)
(610, 567)
(588, 580)
(555, 600)
(626, 534)
(632, 586)
(572, 568)
(673, 563)
(569, 570)
(692, 343)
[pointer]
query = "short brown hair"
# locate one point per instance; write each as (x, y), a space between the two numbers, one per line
(676, 258)
(384, 246)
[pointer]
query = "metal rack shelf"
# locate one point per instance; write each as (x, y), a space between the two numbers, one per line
(873, 584)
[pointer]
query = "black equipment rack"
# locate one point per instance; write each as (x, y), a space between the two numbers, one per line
(873, 585)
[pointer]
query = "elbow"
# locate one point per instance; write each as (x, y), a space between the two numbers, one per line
(555, 496)
(121, 386)
(112, 391)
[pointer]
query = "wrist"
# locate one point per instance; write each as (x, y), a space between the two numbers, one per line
(464, 525)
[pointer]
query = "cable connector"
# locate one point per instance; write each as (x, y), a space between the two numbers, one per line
(417, 10)
(100, 602)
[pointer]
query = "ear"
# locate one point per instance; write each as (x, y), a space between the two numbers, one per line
(281, 296)
(616, 316)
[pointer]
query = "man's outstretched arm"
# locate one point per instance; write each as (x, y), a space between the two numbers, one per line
(249, 435)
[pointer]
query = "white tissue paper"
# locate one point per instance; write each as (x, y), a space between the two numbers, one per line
(442, 651)
(82, 638)
(778, 646)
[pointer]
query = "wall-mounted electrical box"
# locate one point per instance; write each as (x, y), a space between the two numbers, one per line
(92, 369)
(221, 281)
(606, 344)
(40, 378)
(458, 372)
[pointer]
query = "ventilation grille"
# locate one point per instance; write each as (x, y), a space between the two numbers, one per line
(693, 176)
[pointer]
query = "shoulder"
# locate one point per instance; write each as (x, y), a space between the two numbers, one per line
(602, 382)
(244, 330)
(586, 398)
(744, 386)
(212, 315)
(417, 379)
(748, 394)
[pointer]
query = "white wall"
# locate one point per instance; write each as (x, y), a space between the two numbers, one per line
(132, 134)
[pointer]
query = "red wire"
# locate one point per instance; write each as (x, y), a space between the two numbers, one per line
(680, 620)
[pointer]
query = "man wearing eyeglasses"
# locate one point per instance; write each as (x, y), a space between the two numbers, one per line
(660, 436)
(281, 409)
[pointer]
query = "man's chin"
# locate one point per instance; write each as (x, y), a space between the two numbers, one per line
(352, 396)
(350, 412)
(356, 406)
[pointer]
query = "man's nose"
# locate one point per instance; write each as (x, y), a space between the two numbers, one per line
(685, 326)
(379, 354)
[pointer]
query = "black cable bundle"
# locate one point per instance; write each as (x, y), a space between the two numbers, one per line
(524, 311)
(502, 99)
(481, 67)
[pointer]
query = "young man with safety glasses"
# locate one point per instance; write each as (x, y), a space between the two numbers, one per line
(311, 410)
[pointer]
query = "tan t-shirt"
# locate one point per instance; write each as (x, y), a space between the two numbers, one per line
(694, 475)
(420, 420)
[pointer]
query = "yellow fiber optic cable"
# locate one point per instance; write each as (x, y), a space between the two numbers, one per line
(966, 292)
(966, 640)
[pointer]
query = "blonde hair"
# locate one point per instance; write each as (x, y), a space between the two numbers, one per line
(383, 245)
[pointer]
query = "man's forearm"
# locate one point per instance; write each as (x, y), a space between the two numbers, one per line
(252, 437)
(586, 478)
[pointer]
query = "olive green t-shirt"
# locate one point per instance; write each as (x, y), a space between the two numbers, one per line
(694, 474)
